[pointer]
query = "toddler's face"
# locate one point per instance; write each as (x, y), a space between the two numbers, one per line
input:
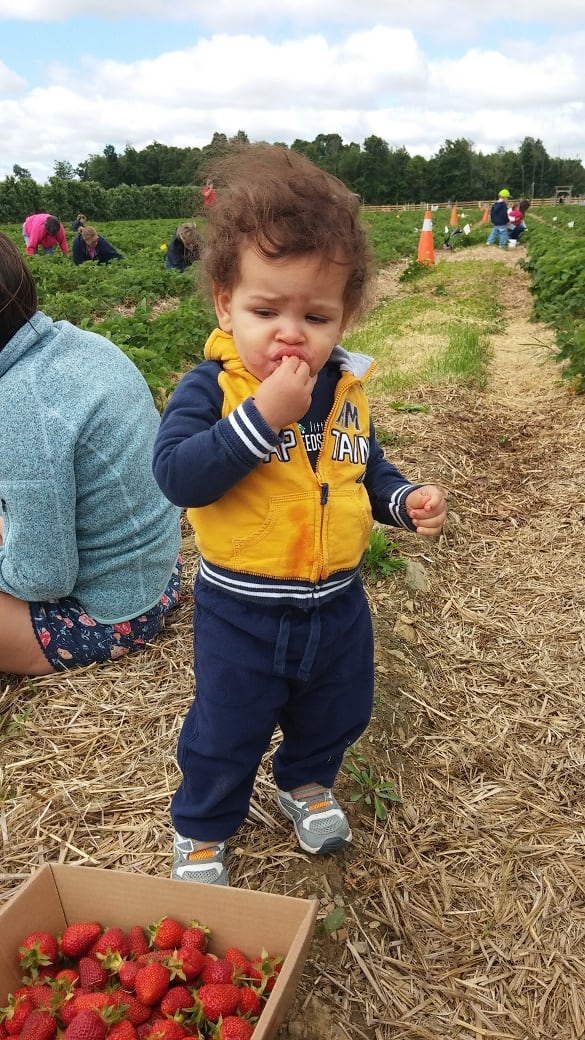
(283, 308)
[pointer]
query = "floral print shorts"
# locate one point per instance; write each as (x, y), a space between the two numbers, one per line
(70, 638)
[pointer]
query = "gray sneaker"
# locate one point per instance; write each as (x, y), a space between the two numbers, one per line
(320, 825)
(198, 861)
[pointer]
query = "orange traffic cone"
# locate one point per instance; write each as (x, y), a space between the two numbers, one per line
(486, 215)
(454, 218)
(426, 244)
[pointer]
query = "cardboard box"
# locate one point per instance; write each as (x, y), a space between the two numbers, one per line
(57, 895)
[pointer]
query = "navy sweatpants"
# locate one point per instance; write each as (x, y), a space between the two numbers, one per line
(310, 672)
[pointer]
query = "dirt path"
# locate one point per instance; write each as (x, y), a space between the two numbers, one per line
(522, 354)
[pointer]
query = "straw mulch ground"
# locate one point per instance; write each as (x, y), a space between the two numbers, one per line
(465, 910)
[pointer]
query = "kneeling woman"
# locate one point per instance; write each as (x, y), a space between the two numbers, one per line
(88, 245)
(89, 564)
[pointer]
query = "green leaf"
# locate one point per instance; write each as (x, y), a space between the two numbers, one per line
(334, 920)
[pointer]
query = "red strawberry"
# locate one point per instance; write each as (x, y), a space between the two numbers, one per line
(235, 955)
(127, 973)
(37, 949)
(233, 1028)
(40, 1025)
(138, 941)
(175, 1000)
(250, 1002)
(264, 969)
(217, 969)
(21, 991)
(78, 937)
(68, 1011)
(92, 974)
(112, 941)
(186, 964)
(196, 936)
(66, 979)
(122, 1030)
(16, 1013)
(154, 957)
(217, 1000)
(130, 1006)
(167, 934)
(42, 995)
(46, 973)
(166, 1029)
(151, 983)
(87, 1025)
(239, 960)
(95, 1002)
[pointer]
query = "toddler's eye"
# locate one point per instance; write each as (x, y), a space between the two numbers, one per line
(317, 319)
(264, 312)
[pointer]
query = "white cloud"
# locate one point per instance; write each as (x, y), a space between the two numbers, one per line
(377, 80)
(456, 18)
(10, 82)
(493, 76)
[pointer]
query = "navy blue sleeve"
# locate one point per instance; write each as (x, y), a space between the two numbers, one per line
(79, 254)
(106, 251)
(176, 254)
(387, 488)
(198, 455)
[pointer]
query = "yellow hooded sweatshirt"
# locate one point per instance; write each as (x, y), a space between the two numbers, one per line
(285, 521)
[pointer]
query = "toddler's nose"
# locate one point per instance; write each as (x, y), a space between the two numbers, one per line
(290, 331)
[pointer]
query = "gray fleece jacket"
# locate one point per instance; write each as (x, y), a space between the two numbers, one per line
(83, 515)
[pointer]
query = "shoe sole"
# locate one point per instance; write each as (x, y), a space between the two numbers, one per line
(220, 879)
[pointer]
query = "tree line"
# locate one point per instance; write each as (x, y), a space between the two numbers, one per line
(163, 181)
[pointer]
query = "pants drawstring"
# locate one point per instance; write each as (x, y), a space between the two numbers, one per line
(282, 641)
(281, 647)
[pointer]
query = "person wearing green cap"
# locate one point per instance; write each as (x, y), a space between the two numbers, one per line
(499, 219)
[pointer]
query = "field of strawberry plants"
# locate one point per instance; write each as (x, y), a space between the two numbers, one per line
(159, 319)
(156, 315)
(153, 314)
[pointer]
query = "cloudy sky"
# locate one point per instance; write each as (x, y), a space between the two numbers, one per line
(76, 75)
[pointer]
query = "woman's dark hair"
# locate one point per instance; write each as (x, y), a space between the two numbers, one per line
(523, 205)
(52, 225)
(18, 292)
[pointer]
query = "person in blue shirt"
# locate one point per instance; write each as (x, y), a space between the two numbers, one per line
(89, 546)
(88, 245)
(499, 219)
(184, 248)
(79, 222)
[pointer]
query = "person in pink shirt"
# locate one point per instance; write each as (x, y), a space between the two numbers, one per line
(46, 231)
(516, 219)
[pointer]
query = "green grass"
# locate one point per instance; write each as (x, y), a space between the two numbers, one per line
(464, 359)
(436, 332)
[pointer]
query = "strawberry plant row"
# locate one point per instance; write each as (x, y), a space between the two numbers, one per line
(557, 268)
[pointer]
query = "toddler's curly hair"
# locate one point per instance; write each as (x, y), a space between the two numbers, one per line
(280, 203)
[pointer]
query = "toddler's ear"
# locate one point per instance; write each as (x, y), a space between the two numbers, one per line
(222, 301)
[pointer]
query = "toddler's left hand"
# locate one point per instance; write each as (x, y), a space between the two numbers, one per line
(427, 508)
